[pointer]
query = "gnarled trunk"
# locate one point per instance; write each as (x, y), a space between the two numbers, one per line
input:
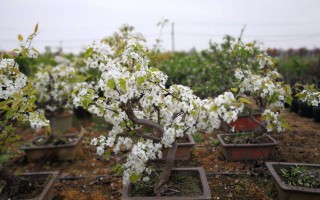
(165, 174)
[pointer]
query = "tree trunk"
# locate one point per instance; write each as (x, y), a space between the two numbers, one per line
(160, 184)
(12, 181)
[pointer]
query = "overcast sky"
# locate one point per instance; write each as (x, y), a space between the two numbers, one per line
(76, 23)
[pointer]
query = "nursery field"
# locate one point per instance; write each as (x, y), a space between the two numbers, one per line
(90, 176)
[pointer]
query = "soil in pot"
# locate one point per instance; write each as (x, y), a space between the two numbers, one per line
(31, 186)
(296, 181)
(246, 146)
(185, 183)
(246, 138)
(179, 185)
(301, 176)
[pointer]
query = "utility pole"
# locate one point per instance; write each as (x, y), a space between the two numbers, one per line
(60, 49)
(172, 36)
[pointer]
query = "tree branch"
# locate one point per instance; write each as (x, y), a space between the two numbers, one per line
(129, 111)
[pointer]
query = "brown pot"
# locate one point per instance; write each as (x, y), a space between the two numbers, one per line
(245, 123)
(183, 150)
(194, 170)
(286, 192)
(246, 152)
(53, 152)
(62, 123)
(47, 193)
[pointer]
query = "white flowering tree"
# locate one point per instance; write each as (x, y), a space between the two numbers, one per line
(131, 95)
(17, 104)
(54, 86)
(309, 94)
(265, 88)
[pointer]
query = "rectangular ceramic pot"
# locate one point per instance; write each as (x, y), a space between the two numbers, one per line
(47, 193)
(245, 123)
(53, 152)
(286, 192)
(183, 150)
(206, 195)
(247, 152)
(62, 123)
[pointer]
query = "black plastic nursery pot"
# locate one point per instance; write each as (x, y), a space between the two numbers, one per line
(286, 192)
(305, 110)
(247, 152)
(199, 171)
(294, 106)
(54, 152)
(316, 114)
(48, 191)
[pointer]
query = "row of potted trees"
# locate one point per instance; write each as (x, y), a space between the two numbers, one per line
(148, 117)
(306, 102)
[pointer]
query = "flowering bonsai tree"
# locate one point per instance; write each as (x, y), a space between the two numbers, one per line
(130, 94)
(264, 88)
(17, 104)
(54, 87)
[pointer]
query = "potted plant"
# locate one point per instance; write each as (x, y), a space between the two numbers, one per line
(55, 87)
(17, 105)
(129, 95)
(310, 99)
(262, 91)
(296, 180)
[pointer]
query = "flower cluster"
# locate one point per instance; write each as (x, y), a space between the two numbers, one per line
(130, 94)
(266, 89)
(309, 95)
(55, 87)
(11, 80)
(16, 100)
(274, 121)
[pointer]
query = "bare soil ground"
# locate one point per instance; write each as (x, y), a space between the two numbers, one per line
(89, 176)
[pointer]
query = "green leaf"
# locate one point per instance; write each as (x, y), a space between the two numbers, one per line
(20, 38)
(234, 89)
(123, 85)
(140, 80)
(111, 84)
(194, 105)
(89, 52)
(135, 177)
(244, 100)
(154, 69)
(115, 168)
(301, 95)
(107, 155)
(35, 50)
